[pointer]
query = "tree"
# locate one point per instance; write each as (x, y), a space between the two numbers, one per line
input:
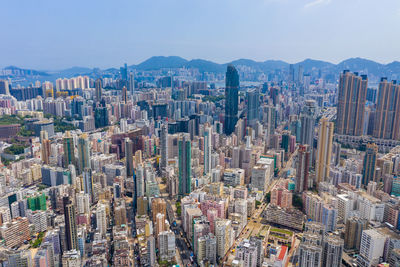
(297, 202)
(267, 198)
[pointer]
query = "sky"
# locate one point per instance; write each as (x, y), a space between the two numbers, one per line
(53, 35)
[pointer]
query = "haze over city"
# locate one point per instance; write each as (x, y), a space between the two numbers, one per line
(52, 35)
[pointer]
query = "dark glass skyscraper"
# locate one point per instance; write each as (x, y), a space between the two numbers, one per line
(231, 99)
(253, 106)
(98, 85)
(185, 167)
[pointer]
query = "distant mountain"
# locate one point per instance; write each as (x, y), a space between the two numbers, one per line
(246, 62)
(275, 64)
(312, 64)
(361, 65)
(15, 71)
(70, 72)
(161, 62)
(205, 66)
(394, 67)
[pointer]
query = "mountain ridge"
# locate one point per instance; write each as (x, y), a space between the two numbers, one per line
(155, 63)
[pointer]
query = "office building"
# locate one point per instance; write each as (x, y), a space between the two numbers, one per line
(371, 248)
(351, 103)
(70, 224)
(307, 118)
(253, 106)
(324, 149)
(83, 153)
(231, 99)
(69, 149)
(88, 183)
(369, 164)
(129, 157)
(185, 168)
(4, 87)
(124, 94)
(132, 83)
(302, 169)
(100, 117)
(164, 146)
(99, 88)
(207, 149)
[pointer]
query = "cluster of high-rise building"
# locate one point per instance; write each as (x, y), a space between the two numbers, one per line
(113, 171)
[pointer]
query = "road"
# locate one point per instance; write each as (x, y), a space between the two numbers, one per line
(183, 258)
(255, 222)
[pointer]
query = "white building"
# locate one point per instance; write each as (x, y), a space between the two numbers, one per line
(166, 244)
(234, 177)
(101, 219)
(371, 248)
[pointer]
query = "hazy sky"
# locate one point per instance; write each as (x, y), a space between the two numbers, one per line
(51, 34)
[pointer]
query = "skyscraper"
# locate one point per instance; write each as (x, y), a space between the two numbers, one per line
(132, 83)
(70, 224)
(253, 106)
(98, 86)
(291, 73)
(302, 170)
(88, 182)
(207, 149)
(164, 145)
(185, 168)
(124, 72)
(124, 94)
(46, 150)
(4, 87)
(231, 99)
(351, 103)
(69, 150)
(83, 152)
(300, 74)
(387, 116)
(369, 165)
(100, 117)
(307, 119)
(129, 157)
(324, 149)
